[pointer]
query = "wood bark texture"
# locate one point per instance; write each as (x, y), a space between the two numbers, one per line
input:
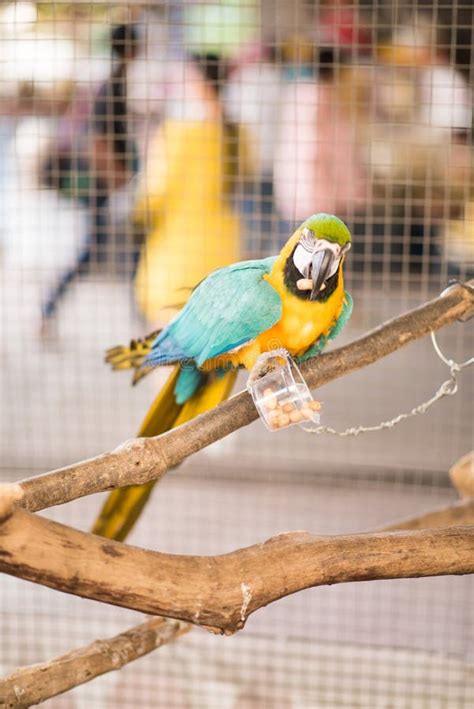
(220, 592)
(462, 475)
(36, 683)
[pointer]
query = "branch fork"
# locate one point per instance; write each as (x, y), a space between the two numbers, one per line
(218, 593)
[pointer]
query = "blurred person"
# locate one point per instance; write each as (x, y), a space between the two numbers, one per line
(457, 243)
(444, 97)
(96, 156)
(184, 191)
(252, 99)
(319, 161)
(340, 25)
(423, 151)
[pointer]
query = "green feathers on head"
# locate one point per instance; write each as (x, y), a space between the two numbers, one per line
(329, 227)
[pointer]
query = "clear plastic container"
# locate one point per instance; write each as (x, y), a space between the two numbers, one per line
(280, 393)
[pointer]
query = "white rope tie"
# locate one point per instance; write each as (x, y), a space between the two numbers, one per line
(447, 388)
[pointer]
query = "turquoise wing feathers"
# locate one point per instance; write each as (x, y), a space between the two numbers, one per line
(230, 307)
(322, 341)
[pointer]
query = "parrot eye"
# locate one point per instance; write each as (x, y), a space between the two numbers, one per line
(307, 240)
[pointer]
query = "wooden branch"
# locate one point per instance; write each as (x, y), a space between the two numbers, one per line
(457, 515)
(215, 599)
(462, 475)
(10, 496)
(220, 592)
(36, 683)
(143, 459)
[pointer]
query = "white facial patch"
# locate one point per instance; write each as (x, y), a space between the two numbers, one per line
(302, 260)
(308, 246)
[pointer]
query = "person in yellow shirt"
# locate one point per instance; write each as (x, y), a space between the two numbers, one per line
(183, 198)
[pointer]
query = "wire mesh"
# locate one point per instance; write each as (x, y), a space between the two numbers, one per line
(145, 144)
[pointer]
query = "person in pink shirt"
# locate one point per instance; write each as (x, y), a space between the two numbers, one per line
(319, 158)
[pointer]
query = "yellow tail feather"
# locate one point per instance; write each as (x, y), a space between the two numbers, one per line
(124, 505)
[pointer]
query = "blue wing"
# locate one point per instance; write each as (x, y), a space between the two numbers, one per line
(229, 308)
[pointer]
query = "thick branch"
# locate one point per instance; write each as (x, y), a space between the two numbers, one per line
(10, 496)
(144, 459)
(217, 602)
(220, 592)
(39, 682)
(36, 683)
(462, 475)
(456, 515)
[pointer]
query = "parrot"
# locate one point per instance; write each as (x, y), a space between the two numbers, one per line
(295, 300)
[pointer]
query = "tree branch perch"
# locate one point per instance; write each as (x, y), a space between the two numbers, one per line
(215, 592)
(462, 475)
(143, 459)
(220, 592)
(456, 515)
(36, 683)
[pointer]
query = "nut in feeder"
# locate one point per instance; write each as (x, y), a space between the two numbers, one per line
(280, 393)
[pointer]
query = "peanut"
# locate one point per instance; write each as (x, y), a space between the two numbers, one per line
(273, 418)
(270, 399)
(315, 405)
(295, 416)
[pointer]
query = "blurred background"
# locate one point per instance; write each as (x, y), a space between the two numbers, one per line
(143, 145)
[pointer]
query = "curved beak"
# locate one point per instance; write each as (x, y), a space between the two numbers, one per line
(321, 265)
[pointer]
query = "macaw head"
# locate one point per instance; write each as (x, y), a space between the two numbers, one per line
(314, 256)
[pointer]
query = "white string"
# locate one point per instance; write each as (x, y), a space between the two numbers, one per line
(449, 362)
(447, 388)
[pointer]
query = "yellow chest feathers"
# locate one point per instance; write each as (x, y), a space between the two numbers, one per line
(302, 321)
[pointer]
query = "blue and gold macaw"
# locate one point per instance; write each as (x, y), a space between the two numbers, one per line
(295, 300)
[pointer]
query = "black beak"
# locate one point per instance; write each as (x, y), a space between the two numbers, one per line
(321, 265)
